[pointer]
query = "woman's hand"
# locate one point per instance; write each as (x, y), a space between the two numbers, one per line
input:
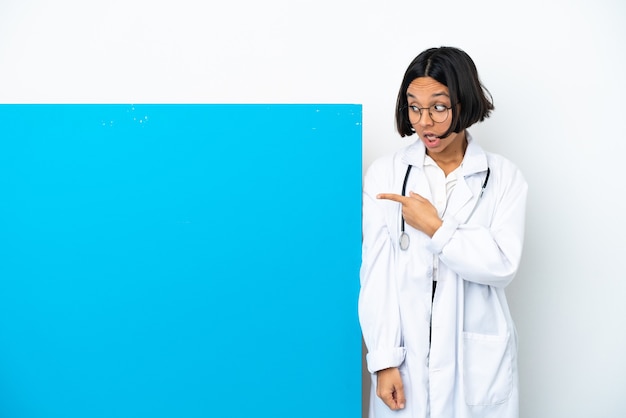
(390, 389)
(417, 211)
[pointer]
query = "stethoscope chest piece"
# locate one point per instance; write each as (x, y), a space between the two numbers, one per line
(404, 241)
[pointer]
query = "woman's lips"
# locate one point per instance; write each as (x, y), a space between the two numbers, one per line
(431, 139)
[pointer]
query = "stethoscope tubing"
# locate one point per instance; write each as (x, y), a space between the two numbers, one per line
(404, 237)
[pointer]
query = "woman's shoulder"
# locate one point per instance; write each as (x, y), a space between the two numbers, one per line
(505, 170)
(386, 171)
(476, 151)
(396, 159)
(501, 160)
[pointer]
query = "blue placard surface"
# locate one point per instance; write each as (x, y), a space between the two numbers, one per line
(179, 261)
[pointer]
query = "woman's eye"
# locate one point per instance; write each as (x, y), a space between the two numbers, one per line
(439, 108)
(414, 108)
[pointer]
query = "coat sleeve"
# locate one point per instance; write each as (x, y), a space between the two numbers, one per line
(379, 311)
(488, 254)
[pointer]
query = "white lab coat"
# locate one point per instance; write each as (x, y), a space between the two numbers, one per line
(470, 367)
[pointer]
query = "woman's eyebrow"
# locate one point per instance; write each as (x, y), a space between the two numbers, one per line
(439, 94)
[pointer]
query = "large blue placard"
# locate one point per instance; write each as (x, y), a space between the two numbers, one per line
(179, 261)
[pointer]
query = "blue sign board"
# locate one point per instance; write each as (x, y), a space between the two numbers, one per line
(179, 261)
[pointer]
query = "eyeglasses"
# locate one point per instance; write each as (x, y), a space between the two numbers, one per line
(438, 113)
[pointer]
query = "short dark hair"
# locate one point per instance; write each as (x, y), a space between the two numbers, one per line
(455, 69)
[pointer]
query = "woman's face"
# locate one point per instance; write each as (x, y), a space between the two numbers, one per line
(431, 99)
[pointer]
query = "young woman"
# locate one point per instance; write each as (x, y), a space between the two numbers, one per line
(443, 229)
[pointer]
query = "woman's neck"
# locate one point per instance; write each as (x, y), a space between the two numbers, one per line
(451, 157)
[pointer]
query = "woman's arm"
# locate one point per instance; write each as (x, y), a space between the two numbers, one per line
(379, 311)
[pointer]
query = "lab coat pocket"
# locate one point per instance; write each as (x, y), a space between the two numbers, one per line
(487, 369)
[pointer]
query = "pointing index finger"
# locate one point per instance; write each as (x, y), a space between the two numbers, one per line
(392, 196)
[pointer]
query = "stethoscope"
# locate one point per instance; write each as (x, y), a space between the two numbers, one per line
(404, 240)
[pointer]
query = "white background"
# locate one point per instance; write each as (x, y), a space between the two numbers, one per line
(556, 69)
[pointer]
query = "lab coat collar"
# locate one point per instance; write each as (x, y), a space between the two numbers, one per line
(474, 161)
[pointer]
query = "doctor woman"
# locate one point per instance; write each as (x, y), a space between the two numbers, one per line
(443, 228)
